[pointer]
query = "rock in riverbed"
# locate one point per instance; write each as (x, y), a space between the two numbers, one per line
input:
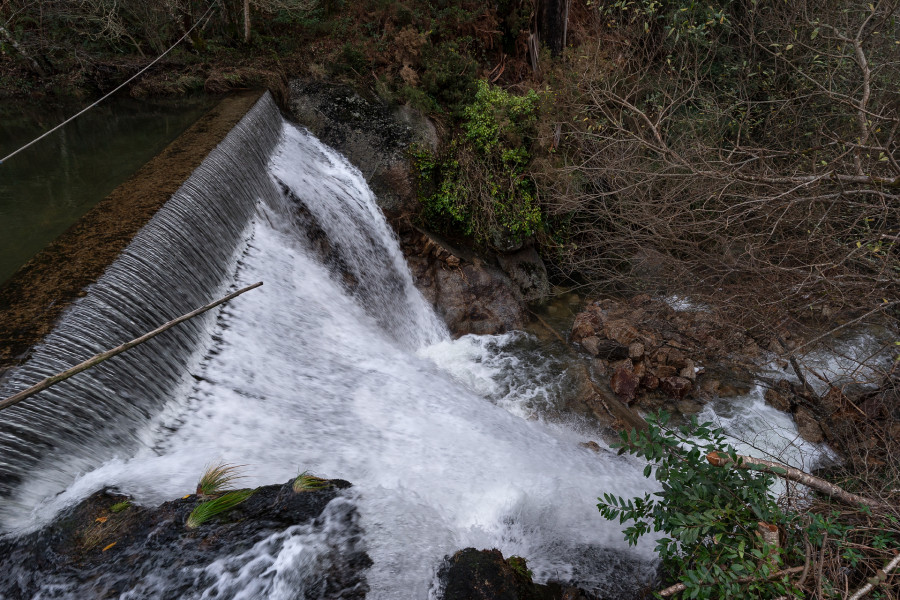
(108, 547)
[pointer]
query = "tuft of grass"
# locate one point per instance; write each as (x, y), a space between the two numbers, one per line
(119, 506)
(216, 477)
(207, 510)
(310, 483)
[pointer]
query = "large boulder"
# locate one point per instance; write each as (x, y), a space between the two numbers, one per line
(108, 547)
(374, 135)
(472, 574)
(469, 294)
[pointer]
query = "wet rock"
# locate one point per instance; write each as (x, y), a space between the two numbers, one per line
(779, 397)
(472, 574)
(374, 135)
(470, 295)
(807, 426)
(526, 269)
(688, 407)
(624, 381)
(676, 387)
(597, 402)
(591, 445)
(475, 298)
(106, 546)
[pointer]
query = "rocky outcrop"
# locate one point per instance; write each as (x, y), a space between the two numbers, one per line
(861, 423)
(651, 353)
(469, 294)
(374, 135)
(106, 546)
(472, 574)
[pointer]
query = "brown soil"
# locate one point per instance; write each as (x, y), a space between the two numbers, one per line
(33, 299)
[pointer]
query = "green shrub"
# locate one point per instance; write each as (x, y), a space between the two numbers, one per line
(709, 515)
(480, 186)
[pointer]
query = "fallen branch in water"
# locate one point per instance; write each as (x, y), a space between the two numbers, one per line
(99, 358)
(680, 587)
(720, 459)
(548, 327)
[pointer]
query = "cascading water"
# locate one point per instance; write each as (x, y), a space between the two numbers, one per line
(175, 264)
(336, 365)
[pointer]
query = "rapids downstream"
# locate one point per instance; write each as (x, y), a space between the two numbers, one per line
(336, 365)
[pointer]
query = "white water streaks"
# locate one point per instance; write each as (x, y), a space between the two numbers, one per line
(337, 366)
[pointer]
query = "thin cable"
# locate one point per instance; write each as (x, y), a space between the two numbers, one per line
(132, 78)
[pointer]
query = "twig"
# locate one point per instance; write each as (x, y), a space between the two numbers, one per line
(880, 577)
(680, 587)
(720, 459)
(548, 327)
(99, 358)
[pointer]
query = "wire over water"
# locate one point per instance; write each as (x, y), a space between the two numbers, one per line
(129, 80)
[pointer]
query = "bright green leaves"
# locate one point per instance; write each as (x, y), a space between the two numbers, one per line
(480, 186)
(708, 514)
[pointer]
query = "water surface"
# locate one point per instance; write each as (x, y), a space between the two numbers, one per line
(47, 187)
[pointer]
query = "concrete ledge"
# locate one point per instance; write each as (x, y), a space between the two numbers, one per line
(33, 299)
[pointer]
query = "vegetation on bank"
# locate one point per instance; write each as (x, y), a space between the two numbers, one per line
(725, 534)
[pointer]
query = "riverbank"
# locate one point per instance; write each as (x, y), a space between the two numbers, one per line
(32, 300)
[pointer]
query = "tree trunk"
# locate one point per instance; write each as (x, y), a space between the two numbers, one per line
(246, 21)
(12, 41)
(553, 20)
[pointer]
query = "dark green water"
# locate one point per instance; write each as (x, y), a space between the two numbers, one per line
(47, 187)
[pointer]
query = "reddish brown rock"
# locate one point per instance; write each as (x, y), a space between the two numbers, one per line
(624, 382)
(807, 426)
(676, 387)
(620, 331)
(586, 325)
(666, 371)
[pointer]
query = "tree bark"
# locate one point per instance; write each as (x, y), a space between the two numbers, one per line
(12, 41)
(720, 459)
(246, 21)
(879, 578)
(99, 358)
(553, 20)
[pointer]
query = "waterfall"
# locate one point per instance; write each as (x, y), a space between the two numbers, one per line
(336, 365)
(179, 261)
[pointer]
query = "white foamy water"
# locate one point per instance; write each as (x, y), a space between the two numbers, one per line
(337, 366)
(310, 373)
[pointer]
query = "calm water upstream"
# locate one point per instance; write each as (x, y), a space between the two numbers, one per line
(49, 186)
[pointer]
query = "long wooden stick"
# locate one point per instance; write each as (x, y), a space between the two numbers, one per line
(99, 358)
(720, 459)
(879, 578)
(680, 587)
